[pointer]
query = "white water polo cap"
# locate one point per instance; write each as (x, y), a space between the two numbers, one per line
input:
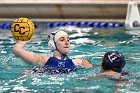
(53, 37)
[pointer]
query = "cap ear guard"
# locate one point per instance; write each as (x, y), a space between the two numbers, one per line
(51, 42)
(53, 37)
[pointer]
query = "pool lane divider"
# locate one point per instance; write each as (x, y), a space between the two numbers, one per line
(7, 26)
(85, 24)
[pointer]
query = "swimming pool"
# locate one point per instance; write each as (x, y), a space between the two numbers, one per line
(87, 43)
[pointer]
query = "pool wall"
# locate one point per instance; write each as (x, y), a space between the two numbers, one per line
(57, 10)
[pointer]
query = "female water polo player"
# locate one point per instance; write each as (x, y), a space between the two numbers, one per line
(113, 63)
(60, 63)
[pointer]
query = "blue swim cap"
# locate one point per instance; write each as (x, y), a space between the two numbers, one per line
(113, 60)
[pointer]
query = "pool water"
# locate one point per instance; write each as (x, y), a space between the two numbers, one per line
(86, 43)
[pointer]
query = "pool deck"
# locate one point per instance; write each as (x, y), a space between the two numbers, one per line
(64, 10)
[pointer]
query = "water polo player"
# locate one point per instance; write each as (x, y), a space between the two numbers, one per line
(113, 63)
(59, 63)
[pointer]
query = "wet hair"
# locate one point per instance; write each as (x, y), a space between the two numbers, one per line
(113, 60)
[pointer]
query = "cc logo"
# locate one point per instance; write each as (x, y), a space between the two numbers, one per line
(18, 28)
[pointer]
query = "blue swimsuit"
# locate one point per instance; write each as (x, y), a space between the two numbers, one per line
(57, 66)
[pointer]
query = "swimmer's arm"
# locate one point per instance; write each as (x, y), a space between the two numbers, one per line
(27, 56)
(82, 63)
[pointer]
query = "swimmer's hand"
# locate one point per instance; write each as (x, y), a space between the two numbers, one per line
(86, 64)
(82, 63)
(19, 45)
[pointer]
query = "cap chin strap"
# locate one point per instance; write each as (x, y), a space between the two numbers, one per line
(63, 56)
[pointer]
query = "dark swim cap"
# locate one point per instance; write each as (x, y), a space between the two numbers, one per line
(113, 60)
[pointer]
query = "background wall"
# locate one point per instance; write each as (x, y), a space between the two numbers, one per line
(64, 9)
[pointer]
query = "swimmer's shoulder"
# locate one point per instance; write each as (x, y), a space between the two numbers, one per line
(42, 59)
(112, 76)
(122, 76)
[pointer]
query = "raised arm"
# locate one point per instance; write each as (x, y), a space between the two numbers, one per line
(27, 56)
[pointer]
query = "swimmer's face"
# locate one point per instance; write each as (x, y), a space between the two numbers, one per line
(63, 44)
